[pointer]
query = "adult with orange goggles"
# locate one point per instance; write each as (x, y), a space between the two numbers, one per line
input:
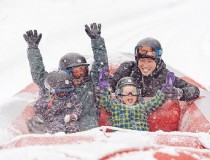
(150, 72)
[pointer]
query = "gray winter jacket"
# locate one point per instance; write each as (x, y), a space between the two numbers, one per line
(152, 83)
(86, 91)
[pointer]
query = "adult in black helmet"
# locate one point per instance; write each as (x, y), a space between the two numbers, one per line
(150, 71)
(60, 102)
(76, 65)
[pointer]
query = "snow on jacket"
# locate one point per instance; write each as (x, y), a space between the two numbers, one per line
(131, 117)
(53, 116)
(86, 91)
(152, 83)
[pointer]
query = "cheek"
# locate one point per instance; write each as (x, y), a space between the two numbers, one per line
(150, 65)
(123, 98)
(153, 66)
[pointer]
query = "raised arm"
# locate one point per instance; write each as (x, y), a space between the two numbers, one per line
(99, 50)
(103, 87)
(159, 99)
(38, 72)
(182, 90)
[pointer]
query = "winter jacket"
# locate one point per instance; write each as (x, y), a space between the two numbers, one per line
(152, 83)
(53, 117)
(131, 117)
(85, 91)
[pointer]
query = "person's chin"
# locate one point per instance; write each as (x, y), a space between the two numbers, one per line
(145, 73)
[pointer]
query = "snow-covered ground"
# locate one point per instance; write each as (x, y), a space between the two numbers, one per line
(182, 27)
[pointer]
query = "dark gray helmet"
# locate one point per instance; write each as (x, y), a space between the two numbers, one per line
(58, 80)
(126, 81)
(151, 42)
(72, 60)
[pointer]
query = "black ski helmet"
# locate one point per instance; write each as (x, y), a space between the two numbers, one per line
(151, 42)
(58, 80)
(124, 82)
(72, 60)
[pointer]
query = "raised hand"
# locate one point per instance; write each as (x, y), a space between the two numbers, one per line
(94, 31)
(32, 38)
(103, 78)
(170, 78)
(170, 91)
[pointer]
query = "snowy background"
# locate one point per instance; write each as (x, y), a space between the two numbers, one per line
(182, 27)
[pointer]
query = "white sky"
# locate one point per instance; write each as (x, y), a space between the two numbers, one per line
(182, 27)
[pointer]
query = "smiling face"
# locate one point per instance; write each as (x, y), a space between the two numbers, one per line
(79, 74)
(146, 64)
(129, 95)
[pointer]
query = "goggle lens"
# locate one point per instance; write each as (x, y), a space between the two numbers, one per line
(143, 52)
(63, 93)
(131, 90)
(76, 72)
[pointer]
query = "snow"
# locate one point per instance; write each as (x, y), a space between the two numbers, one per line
(182, 27)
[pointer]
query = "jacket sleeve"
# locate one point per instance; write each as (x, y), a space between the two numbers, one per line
(77, 104)
(156, 102)
(105, 100)
(124, 70)
(37, 68)
(190, 92)
(100, 58)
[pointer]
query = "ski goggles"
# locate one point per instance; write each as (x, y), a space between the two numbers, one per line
(76, 72)
(62, 93)
(142, 52)
(131, 90)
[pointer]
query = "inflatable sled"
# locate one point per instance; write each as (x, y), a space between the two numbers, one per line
(176, 123)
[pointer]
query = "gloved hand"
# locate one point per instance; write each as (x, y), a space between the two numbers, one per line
(37, 125)
(170, 78)
(170, 91)
(173, 93)
(69, 118)
(32, 38)
(103, 78)
(93, 31)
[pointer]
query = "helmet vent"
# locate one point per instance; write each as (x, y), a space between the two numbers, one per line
(66, 81)
(79, 61)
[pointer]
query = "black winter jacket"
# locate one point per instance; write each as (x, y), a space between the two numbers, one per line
(151, 84)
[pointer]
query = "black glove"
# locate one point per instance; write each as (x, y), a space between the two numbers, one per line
(32, 39)
(93, 31)
(173, 93)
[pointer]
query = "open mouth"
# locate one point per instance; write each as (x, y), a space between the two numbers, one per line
(130, 101)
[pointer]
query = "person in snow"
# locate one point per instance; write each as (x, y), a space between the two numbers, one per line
(75, 64)
(129, 111)
(150, 71)
(59, 109)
